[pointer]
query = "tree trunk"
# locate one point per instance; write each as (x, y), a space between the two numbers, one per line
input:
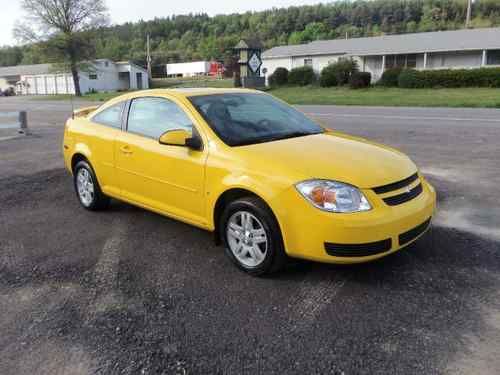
(76, 79)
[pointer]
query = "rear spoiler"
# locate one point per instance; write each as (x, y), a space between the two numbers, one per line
(83, 112)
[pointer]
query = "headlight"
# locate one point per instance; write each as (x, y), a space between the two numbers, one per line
(333, 196)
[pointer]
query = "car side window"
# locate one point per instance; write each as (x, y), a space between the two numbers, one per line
(111, 116)
(151, 117)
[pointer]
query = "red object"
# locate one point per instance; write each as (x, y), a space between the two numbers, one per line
(216, 69)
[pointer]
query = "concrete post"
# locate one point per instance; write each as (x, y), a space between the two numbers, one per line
(23, 123)
(484, 60)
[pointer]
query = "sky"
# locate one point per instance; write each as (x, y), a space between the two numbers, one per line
(122, 11)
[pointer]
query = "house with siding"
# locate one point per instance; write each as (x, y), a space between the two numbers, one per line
(468, 48)
(100, 75)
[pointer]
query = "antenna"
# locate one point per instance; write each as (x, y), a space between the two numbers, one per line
(148, 57)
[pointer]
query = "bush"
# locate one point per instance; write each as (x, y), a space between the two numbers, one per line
(338, 73)
(360, 80)
(483, 77)
(390, 77)
(279, 77)
(328, 76)
(409, 78)
(301, 76)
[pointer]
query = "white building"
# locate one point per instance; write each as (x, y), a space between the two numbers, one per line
(188, 69)
(469, 48)
(101, 75)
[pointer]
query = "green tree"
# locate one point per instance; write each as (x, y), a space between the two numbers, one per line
(62, 27)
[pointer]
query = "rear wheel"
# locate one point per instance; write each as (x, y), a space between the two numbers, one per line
(252, 236)
(87, 188)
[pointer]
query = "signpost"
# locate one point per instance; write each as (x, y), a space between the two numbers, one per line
(250, 62)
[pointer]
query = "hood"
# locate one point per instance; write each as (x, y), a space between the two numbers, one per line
(334, 156)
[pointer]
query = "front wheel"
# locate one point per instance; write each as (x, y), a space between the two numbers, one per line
(252, 236)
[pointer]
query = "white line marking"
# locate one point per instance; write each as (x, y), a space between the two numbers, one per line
(416, 118)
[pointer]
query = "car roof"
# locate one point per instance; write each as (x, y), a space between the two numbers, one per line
(181, 92)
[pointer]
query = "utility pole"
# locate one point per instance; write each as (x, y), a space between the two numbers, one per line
(148, 57)
(469, 12)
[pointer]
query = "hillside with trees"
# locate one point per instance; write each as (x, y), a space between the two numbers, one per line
(199, 36)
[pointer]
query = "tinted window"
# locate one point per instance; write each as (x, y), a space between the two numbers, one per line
(111, 116)
(240, 119)
(151, 117)
(493, 57)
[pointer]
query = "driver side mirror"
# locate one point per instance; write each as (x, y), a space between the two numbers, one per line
(181, 137)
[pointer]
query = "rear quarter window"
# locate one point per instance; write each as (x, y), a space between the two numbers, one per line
(111, 116)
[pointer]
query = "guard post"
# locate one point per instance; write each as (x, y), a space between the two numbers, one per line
(249, 51)
(23, 123)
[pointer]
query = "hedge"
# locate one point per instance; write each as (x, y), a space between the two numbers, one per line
(483, 77)
(390, 77)
(301, 76)
(360, 80)
(279, 77)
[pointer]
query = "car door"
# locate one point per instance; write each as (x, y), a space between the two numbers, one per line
(105, 127)
(162, 177)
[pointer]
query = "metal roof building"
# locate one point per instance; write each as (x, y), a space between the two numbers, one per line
(468, 48)
(48, 79)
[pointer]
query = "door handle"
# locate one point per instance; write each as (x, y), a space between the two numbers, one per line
(125, 150)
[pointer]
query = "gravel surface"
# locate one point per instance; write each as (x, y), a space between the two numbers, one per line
(127, 291)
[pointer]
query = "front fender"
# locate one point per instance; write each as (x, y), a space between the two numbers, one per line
(268, 192)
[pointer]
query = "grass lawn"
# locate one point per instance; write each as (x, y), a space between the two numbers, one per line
(378, 96)
(96, 97)
(192, 82)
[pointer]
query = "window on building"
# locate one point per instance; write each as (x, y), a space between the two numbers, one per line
(308, 62)
(106, 64)
(400, 61)
(151, 117)
(493, 57)
(93, 76)
(411, 61)
(111, 116)
(389, 61)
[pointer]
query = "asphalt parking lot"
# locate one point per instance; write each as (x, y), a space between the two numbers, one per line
(130, 292)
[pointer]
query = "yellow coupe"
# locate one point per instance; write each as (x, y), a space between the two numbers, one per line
(268, 181)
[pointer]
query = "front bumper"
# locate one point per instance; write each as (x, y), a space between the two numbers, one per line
(310, 233)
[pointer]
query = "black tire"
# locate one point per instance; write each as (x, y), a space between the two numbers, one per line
(275, 257)
(98, 201)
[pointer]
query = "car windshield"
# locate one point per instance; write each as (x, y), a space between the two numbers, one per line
(243, 119)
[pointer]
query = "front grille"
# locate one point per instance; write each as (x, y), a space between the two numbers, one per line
(396, 185)
(406, 237)
(404, 197)
(358, 250)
